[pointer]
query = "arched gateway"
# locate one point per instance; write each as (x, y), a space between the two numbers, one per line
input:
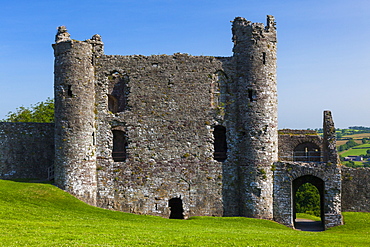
(315, 181)
(289, 176)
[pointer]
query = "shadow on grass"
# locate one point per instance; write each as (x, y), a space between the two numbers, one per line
(308, 225)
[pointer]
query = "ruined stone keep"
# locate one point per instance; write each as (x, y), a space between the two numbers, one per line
(179, 135)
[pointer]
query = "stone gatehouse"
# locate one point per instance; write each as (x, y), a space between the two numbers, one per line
(179, 135)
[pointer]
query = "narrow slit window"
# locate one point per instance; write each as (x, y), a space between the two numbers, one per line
(69, 91)
(264, 57)
(251, 95)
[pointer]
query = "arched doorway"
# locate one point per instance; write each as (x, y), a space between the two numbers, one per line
(320, 186)
(308, 152)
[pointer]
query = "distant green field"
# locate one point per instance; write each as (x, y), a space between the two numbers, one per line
(43, 215)
(358, 150)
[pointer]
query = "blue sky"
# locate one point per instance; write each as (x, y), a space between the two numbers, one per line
(323, 46)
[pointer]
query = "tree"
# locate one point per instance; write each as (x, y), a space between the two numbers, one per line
(351, 143)
(308, 199)
(339, 135)
(42, 112)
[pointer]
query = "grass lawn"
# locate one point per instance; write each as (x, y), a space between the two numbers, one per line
(42, 215)
(308, 216)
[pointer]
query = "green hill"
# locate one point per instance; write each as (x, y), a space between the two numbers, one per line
(42, 215)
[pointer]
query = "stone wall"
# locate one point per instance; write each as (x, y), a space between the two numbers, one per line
(166, 107)
(166, 110)
(26, 150)
(355, 189)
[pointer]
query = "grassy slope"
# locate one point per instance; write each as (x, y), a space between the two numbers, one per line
(42, 215)
(308, 216)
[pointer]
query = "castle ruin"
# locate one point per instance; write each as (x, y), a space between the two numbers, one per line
(180, 135)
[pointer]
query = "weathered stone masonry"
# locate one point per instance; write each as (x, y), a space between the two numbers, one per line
(26, 150)
(74, 92)
(167, 121)
(180, 135)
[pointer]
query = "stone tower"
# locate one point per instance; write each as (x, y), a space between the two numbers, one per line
(74, 90)
(254, 62)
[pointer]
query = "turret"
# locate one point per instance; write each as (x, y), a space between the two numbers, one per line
(74, 92)
(255, 65)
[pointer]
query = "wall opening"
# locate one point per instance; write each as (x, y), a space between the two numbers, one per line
(112, 104)
(177, 211)
(69, 91)
(219, 89)
(117, 92)
(308, 197)
(119, 153)
(220, 144)
(264, 57)
(307, 151)
(251, 95)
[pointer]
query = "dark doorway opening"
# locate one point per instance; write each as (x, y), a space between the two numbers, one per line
(177, 211)
(308, 193)
(308, 152)
(220, 144)
(119, 146)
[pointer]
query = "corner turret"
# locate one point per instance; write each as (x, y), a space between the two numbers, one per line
(255, 64)
(74, 92)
